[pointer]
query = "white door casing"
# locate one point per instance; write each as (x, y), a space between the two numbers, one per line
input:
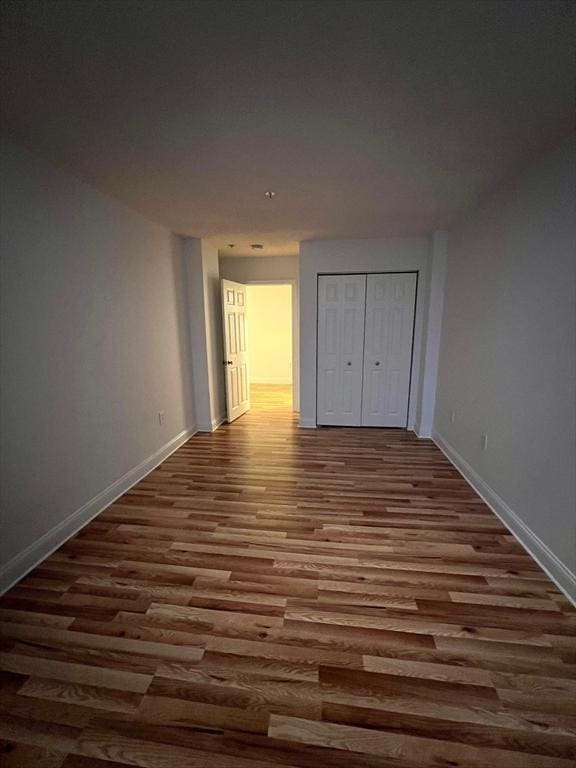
(341, 305)
(235, 361)
(390, 300)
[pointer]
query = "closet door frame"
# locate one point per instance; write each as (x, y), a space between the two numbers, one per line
(416, 272)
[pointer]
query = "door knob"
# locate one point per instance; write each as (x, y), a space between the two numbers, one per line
(377, 362)
(227, 362)
(348, 363)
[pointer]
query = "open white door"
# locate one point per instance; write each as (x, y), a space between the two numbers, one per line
(235, 349)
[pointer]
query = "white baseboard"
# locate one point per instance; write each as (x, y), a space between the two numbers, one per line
(307, 423)
(216, 422)
(423, 431)
(564, 579)
(28, 559)
(211, 426)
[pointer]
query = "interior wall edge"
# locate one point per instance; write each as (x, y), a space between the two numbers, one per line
(22, 563)
(560, 574)
(195, 305)
(424, 423)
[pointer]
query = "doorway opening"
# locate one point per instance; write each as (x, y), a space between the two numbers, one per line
(270, 345)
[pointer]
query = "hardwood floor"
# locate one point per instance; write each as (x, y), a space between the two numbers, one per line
(270, 596)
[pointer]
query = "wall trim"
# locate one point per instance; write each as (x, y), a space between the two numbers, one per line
(29, 558)
(218, 421)
(564, 579)
(307, 423)
(211, 426)
(422, 433)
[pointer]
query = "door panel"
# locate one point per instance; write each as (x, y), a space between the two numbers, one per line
(235, 349)
(390, 300)
(341, 305)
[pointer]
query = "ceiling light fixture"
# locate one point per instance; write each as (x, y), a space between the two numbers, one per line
(269, 194)
(230, 245)
(256, 246)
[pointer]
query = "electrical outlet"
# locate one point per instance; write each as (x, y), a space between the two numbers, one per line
(484, 442)
(452, 417)
(161, 417)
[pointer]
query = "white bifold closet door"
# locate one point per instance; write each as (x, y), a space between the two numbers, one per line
(341, 305)
(365, 332)
(388, 349)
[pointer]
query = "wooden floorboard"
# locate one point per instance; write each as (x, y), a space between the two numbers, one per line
(275, 596)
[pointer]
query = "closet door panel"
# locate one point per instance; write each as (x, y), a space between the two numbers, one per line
(341, 306)
(390, 300)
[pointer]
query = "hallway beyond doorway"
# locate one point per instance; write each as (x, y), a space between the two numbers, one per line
(273, 399)
(271, 317)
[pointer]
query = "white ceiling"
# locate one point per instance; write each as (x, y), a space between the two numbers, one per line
(368, 118)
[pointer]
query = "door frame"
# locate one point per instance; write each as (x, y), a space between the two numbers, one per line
(410, 416)
(295, 333)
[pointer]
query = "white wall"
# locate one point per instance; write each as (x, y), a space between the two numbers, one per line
(434, 302)
(205, 307)
(194, 288)
(94, 344)
(214, 332)
(242, 269)
(247, 269)
(270, 334)
(508, 358)
(346, 256)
